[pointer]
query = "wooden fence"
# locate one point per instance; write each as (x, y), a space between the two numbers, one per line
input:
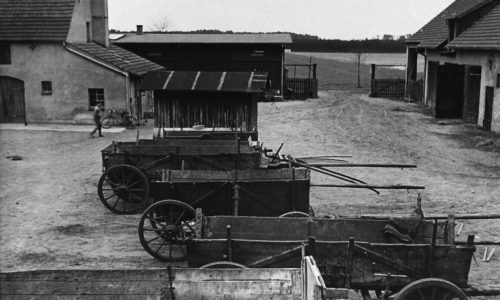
(388, 87)
(302, 88)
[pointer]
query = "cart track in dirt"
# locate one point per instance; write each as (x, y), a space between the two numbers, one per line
(51, 217)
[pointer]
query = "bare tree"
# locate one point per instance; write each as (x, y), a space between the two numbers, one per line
(161, 24)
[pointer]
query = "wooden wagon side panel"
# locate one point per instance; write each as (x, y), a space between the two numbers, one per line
(153, 284)
(322, 229)
(264, 198)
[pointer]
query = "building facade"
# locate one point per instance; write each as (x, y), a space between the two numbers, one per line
(212, 52)
(461, 47)
(57, 63)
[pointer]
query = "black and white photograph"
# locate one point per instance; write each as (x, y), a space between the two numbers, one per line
(235, 149)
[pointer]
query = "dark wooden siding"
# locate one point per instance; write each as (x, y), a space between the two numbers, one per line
(215, 57)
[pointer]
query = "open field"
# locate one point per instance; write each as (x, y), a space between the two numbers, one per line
(339, 70)
(51, 217)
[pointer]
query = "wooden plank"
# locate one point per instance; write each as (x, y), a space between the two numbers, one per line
(243, 175)
(153, 284)
(185, 149)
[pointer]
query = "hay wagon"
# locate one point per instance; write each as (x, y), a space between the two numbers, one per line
(401, 257)
(204, 152)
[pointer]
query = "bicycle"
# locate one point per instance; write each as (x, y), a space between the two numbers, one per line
(116, 118)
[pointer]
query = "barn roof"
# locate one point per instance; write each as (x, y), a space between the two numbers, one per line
(116, 57)
(35, 20)
(200, 38)
(247, 82)
(435, 33)
(482, 34)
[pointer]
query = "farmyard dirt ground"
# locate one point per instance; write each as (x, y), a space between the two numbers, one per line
(51, 217)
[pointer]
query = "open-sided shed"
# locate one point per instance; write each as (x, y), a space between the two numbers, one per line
(205, 104)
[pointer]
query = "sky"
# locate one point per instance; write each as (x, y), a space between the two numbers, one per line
(328, 19)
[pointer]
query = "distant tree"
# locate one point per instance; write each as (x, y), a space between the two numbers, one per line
(388, 37)
(161, 24)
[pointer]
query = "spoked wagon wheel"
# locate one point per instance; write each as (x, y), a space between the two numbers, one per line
(430, 289)
(123, 189)
(165, 227)
(223, 265)
(108, 122)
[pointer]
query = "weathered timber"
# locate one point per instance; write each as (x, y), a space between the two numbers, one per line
(153, 284)
(398, 166)
(239, 175)
(367, 186)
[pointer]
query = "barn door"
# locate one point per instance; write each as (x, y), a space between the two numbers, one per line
(473, 89)
(12, 108)
(488, 108)
(450, 91)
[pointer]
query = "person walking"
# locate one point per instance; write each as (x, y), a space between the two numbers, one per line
(97, 119)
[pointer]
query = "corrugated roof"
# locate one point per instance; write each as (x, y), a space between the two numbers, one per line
(482, 34)
(117, 57)
(198, 38)
(435, 33)
(35, 20)
(248, 82)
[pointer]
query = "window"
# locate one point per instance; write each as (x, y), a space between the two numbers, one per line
(4, 54)
(95, 96)
(46, 87)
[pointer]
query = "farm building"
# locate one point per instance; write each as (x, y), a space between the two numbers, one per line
(461, 47)
(212, 52)
(56, 62)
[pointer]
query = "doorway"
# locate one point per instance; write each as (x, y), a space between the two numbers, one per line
(12, 105)
(472, 94)
(488, 108)
(450, 91)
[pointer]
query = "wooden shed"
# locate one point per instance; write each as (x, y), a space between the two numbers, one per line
(205, 105)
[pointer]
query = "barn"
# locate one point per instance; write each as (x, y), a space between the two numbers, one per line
(461, 48)
(56, 63)
(212, 52)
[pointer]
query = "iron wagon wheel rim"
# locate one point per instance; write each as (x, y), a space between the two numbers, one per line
(435, 287)
(165, 226)
(223, 265)
(294, 214)
(123, 189)
(108, 122)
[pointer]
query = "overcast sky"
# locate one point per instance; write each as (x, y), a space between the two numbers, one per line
(336, 19)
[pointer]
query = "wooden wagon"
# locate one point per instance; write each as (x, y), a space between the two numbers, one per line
(364, 254)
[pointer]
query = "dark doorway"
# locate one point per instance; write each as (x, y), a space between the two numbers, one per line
(450, 91)
(12, 109)
(472, 94)
(488, 108)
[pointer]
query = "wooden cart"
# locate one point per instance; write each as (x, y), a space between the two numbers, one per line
(351, 253)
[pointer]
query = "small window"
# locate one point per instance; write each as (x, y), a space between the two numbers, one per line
(46, 87)
(4, 54)
(96, 96)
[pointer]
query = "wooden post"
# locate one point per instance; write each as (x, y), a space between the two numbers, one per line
(314, 70)
(372, 81)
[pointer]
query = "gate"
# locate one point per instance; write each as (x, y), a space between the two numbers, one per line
(473, 89)
(12, 106)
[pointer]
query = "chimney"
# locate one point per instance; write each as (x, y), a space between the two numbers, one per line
(139, 29)
(99, 24)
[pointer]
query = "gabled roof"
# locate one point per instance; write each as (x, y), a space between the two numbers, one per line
(35, 20)
(210, 38)
(246, 82)
(435, 33)
(482, 34)
(117, 57)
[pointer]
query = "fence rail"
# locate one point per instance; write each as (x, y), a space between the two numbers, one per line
(302, 88)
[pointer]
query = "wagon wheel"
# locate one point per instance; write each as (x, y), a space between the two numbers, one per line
(430, 289)
(294, 214)
(108, 122)
(223, 265)
(123, 189)
(165, 227)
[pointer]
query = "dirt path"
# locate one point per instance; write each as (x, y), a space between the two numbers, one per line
(51, 217)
